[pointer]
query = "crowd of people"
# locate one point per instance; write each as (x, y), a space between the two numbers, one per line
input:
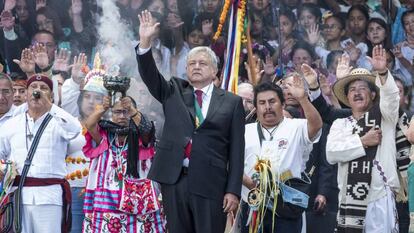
(316, 139)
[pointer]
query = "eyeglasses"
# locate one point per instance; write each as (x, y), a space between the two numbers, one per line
(48, 45)
(331, 27)
(5, 92)
(120, 112)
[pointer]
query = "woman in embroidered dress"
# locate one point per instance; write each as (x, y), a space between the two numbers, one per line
(120, 151)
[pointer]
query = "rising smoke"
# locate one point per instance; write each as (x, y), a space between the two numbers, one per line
(116, 41)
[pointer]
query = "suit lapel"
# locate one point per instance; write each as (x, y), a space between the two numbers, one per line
(188, 96)
(215, 102)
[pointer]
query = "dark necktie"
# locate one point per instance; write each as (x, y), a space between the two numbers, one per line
(199, 94)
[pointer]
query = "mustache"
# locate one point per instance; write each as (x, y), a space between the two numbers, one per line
(269, 113)
(357, 97)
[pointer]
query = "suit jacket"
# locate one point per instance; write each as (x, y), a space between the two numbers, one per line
(324, 176)
(328, 113)
(217, 156)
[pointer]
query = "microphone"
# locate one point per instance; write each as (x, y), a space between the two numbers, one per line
(36, 94)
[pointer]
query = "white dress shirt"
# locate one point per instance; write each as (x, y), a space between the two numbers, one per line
(70, 96)
(207, 93)
(49, 158)
(7, 115)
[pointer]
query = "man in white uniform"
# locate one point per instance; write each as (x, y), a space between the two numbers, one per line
(289, 139)
(43, 200)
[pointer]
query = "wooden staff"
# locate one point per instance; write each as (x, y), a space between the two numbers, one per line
(251, 61)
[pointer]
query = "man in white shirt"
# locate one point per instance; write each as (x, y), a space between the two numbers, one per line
(363, 145)
(6, 98)
(43, 200)
(288, 139)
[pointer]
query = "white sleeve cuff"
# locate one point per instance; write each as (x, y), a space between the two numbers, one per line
(141, 51)
(10, 35)
(313, 95)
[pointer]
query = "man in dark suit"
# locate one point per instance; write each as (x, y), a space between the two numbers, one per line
(199, 159)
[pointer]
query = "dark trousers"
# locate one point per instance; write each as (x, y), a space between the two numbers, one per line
(282, 225)
(403, 216)
(189, 213)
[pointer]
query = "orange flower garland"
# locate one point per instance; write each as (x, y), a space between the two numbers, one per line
(223, 15)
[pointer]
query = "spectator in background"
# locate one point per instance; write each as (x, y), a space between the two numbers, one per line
(309, 16)
(210, 6)
(377, 34)
(287, 21)
(162, 55)
(333, 33)
(302, 53)
(357, 20)
(6, 98)
(404, 51)
(245, 91)
(19, 89)
(48, 20)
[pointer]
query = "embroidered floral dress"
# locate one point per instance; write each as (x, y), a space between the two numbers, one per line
(104, 187)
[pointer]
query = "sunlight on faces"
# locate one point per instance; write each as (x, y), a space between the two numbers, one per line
(376, 33)
(6, 95)
(89, 101)
(269, 108)
(19, 95)
(120, 115)
(359, 95)
(200, 68)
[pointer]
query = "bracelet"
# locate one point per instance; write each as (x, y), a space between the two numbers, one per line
(314, 89)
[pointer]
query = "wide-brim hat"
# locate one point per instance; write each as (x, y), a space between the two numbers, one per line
(355, 74)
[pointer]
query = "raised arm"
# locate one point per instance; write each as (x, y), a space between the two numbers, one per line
(157, 85)
(389, 93)
(91, 123)
(298, 91)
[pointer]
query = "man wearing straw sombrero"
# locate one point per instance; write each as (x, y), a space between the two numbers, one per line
(363, 145)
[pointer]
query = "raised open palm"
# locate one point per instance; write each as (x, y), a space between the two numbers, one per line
(26, 62)
(343, 68)
(310, 75)
(40, 56)
(378, 59)
(297, 88)
(148, 27)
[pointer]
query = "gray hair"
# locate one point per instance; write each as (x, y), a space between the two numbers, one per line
(247, 86)
(207, 50)
(4, 76)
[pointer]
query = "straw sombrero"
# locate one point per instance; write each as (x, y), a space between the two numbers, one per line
(355, 74)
